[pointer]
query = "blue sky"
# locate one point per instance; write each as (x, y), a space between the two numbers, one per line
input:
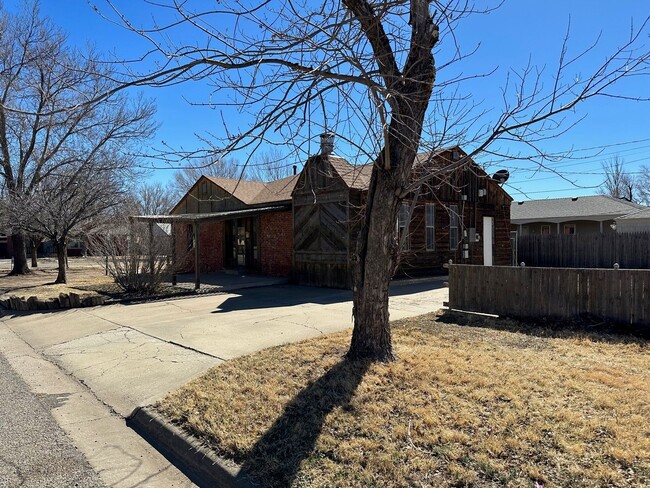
(509, 37)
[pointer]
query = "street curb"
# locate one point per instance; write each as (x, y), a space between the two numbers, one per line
(198, 463)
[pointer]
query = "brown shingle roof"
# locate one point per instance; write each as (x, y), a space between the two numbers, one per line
(257, 192)
(277, 191)
(356, 177)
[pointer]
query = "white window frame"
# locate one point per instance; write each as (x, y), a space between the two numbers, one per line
(546, 226)
(430, 225)
(569, 226)
(453, 227)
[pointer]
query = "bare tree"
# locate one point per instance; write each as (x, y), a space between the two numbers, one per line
(270, 165)
(367, 72)
(189, 174)
(68, 203)
(152, 199)
(618, 182)
(643, 185)
(51, 115)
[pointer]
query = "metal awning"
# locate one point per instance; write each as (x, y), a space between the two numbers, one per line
(196, 220)
(210, 217)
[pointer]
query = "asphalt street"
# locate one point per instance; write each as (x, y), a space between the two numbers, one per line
(35, 451)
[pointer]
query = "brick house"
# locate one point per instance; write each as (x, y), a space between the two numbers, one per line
(240, 224)
(305, 226)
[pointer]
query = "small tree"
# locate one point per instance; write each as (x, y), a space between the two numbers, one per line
(151, 199)
(66, 204)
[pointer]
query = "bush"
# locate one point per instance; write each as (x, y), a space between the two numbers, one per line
(138, 262)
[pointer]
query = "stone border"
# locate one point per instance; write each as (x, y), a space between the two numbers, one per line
(64, 300)
(197, 462)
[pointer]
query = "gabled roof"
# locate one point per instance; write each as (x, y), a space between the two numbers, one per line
(276, 191)
(592, 207)
(358, 176)
(257, 192)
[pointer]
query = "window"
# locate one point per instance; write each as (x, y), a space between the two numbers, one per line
(402, 225)
(430, 226)
(546, 230)
(569, 229)
(453, 227)
(190, 237)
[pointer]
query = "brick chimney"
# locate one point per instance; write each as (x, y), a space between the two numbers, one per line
(326, 143)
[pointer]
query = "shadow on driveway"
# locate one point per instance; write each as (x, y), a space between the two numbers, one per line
(290, 295)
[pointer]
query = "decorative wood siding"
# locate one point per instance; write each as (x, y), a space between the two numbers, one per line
(471, 209)
(206, 197)
(320, 223)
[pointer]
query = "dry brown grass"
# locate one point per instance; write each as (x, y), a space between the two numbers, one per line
(85, 280)
(463, 406)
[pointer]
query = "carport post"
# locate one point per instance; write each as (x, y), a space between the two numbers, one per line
(151, 256)
(173, 254)
(197, 257)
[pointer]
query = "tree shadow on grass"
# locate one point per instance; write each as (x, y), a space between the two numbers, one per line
(276, 457)
(585, 326)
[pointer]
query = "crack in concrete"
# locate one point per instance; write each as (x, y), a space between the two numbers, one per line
(173, 343)
(182, 309)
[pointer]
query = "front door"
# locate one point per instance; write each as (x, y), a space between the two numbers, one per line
(241, 243)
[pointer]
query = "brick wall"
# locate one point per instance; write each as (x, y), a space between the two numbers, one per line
(211, 237)
(276, 243)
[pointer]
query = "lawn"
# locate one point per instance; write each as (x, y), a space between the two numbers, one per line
(86, 278)
(485, 403)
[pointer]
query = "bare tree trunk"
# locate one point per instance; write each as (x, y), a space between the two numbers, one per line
(61, 277)
(34, 251)
(20, 254)
(371, 336)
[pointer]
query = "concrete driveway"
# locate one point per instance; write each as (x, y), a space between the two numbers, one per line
(132, 355)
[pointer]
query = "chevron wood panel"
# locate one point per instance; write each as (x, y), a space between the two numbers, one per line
(306, 228)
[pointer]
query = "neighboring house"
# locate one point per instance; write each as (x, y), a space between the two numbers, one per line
(577, 215)
(76, 247)
(305, 226)
(638, 221)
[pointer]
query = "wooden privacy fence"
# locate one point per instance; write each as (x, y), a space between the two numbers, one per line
(621, 295)
(585, 250)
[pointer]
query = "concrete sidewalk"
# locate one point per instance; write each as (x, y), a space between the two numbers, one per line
(132, 355)
(121, 457)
